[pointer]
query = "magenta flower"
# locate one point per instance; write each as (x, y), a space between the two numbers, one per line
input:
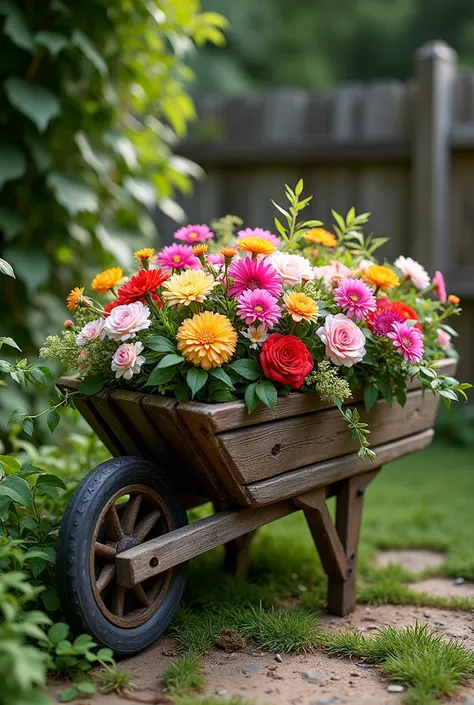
(258, 232)
(215, 259)
(382, 321)
(440, 287)
(408, 341)
(258, 305)
(193, 233)
(177, 256)
(254, 274)
(355, 297)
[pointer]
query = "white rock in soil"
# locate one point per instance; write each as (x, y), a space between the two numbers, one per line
(395, 688)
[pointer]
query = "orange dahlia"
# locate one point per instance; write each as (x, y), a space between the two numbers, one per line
(321, 237)
(107, 280)
(207, 340)
(256, 245)
(381, 277)
(74, 298)
(146, 281)
(300, 307)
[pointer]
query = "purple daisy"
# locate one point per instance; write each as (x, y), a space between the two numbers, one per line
(258, 305)
(355, 297)
(408, 341)
(254, 274)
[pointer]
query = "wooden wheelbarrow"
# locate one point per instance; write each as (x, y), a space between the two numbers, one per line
(125, 540)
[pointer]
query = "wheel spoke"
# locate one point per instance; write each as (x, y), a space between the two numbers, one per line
(107, 574)
(129, 516)
(118, 601)
(112, 521)
(104, 551)
(146, 525)
(141, 595)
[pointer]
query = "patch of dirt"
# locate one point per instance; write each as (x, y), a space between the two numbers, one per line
(414, 561)
(230, 640)
(444, 587)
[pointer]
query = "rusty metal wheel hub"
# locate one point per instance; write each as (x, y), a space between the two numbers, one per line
(134, 514)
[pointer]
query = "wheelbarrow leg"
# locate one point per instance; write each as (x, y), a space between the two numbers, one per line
(237, 555)
(338, 544)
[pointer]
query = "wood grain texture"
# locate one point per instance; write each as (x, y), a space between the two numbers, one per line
(296, 482)
(287, 444)
(185, 543)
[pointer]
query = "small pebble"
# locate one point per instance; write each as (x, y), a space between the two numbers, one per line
(169, 652)
(357, 675)
(251, 668)
(314, 676)
(279, 658)
(335, 678)
(458, 581)
(327, 699)
(427, 615)
(276, 676)
(456, 635)
(395, 688)
(440, 624)
(222, 692)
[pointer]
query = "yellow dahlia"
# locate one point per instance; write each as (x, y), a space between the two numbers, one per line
(300, 306)
(256, 245)
(107, 280)
(321, 237)
(187, 287)
(381, 277)
(207, 339)
(199, 250)
(74, 298)
(144, 254)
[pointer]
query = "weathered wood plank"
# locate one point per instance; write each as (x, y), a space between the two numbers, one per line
(185, 543)
(276, 447)
(296, 482)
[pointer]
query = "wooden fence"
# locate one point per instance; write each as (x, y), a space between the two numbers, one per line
(403, 151)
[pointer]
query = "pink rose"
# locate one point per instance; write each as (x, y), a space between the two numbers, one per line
(125, 321)
(444, 339)
(92, 331)
(293, 269)
(127, 360)
(344, 341)
(331, 270)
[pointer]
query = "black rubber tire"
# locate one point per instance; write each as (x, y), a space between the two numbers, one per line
(73, 576)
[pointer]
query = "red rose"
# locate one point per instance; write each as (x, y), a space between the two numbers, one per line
(145, 282)
(286, 360)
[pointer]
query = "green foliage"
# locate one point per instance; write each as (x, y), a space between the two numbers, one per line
(279, 631)
(184, 675)
(115, 679)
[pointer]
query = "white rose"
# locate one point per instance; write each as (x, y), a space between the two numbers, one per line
(126, 321)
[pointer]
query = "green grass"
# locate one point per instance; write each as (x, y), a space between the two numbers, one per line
(419, 502)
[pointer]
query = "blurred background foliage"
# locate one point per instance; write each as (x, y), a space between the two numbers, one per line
(317, 43)
(94, 95)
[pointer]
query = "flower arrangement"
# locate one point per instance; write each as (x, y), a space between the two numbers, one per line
(250, 314)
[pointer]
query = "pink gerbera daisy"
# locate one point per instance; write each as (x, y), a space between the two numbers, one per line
(259, 232)
(215, 259)
(193, 233)
(355, 297)
(382, 320)
(253, 274)
(408, 341)
(440, 287)
(258, 305)
(177, 256)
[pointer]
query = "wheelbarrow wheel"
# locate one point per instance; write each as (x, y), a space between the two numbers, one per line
(120, 504)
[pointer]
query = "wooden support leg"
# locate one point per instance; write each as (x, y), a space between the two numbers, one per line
(337, 545)
(237, 555)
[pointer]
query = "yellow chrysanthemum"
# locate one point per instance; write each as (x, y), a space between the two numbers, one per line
(74, 298)
(207, 339)
(144, 254)
(300, 307)
(107, 280)
(228, 252)
(381, 277)
(199, 250)
(320, 236)
(256, 245)
(187, 287)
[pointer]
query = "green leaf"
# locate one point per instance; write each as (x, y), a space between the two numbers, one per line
(85, 687)
(448, 394)
(36, 102)
(68, 694)
(222, 376)
(52, 480)
(181, 392)
(196, 378)
(80, 40)
(52, 419)
(105, 655)
(53, 41)
(6, 268)
(13, 163)
(31, 266)
(142, 190)
(248, 369)
(267, 393)
(9, 464)
(91, 385)
(50, 599)
(371, 394)
(27, 425)
(158, 343)
(16, 28)
(222, 395)
(10, 342)
(75, 196)
(160, 376)
(299, 188)
(40, 152)
(10, 223)
(17, 489)
(58, 632)
(17, 416)
(386, 390)
(251, 398)
(170, 361)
